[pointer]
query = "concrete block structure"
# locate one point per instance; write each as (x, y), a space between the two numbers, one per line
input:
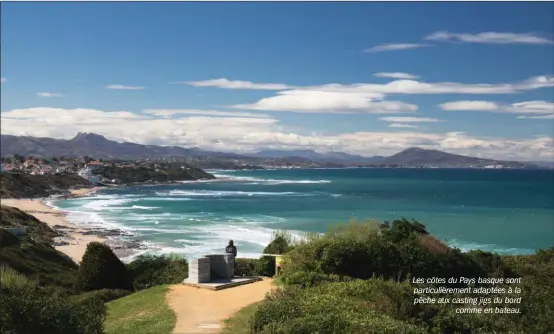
(199, 270)
(222, 265)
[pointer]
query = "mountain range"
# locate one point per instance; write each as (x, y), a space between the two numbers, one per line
(99, 147)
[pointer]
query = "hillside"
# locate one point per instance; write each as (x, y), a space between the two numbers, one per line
(418, 157)
(19, 185)
(97, 146)
(334, 157)
(32, 253)
(155, 173)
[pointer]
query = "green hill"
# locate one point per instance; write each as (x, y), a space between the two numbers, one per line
(32, 253)
(19, 185)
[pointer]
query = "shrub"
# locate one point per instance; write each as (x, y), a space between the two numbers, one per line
(281, 243)
(308, 279)
(246, 267)
(28, 308)
(101, 269)
(104, 295)
(150, 270)
(325, 309)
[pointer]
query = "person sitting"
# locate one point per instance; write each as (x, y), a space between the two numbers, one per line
(231, 248)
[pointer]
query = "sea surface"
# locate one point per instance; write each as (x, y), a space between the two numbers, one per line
(504, 211)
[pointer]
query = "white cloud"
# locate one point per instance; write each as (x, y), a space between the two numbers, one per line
(532, 107)
(172, 112)
(396, 75)
(242, 134)
(396, 47)
(410, 119)
(527, 107)
(2, 80)
(551, 116)
(397, 86)
(469, 105)
(49, 94)
(123, 87)
(305, 101)
(236, 84)
(417, 87)
(490, 38)
(400, 125)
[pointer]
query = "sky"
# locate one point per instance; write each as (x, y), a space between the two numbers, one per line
(472, 78)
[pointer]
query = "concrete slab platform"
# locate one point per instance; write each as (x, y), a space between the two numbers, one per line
(223, 283)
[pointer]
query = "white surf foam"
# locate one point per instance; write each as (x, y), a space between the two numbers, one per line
(466, 246)
(140, 207)
(255, 180)
(222, 193)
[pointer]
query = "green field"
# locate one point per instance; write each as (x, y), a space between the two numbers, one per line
(144, 312)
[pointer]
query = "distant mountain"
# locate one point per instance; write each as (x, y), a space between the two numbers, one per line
(99, 147)
(96, 146)
(420, 157)
(334, 157)
(547, 164)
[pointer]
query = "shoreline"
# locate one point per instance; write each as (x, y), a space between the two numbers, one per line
(74, 239)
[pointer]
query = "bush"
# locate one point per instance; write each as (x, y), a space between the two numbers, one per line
(350, 280)
(28, 308)
(150, 270)
(306, 279)
(247, 267)
(281, 243)
(101, 269)
(104, 295)
(326, 309)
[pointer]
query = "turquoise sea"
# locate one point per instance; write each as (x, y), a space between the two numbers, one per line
(506, 211)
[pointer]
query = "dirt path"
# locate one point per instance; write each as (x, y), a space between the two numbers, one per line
(203, 311)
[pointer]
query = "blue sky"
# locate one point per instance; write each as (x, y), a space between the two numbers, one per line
(284, 75)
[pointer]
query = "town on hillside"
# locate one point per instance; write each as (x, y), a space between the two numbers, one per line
(98, 172)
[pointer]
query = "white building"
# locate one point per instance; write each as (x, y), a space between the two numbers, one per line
(86, 173)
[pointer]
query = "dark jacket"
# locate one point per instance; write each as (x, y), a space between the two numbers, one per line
(231, 250)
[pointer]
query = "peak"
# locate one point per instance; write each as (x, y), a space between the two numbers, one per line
(86, 135)
(414, 149)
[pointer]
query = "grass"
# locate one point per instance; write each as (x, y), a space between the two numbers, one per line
(238, 323)
(144, 312)
(31, 254)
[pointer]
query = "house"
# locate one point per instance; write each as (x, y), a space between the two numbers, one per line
(95, 164)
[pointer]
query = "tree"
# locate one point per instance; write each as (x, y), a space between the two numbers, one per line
(101, 269)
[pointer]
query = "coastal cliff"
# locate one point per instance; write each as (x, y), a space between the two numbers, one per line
(20, 185)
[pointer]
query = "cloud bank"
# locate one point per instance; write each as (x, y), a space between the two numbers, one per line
(250, 134)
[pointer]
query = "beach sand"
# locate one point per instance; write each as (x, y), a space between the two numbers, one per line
(74, 235)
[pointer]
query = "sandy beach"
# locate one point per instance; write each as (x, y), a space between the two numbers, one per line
(77, 241)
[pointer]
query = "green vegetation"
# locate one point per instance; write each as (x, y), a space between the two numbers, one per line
(239, 323)
(32, 254)
(154, 173)
(44, 291)
(28, 308)
(102, 269)
(19, 185)
(144, 312)
(105, 295)
(356, 278)
(149, 270)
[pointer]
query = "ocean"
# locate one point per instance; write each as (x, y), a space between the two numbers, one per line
(504, 211)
